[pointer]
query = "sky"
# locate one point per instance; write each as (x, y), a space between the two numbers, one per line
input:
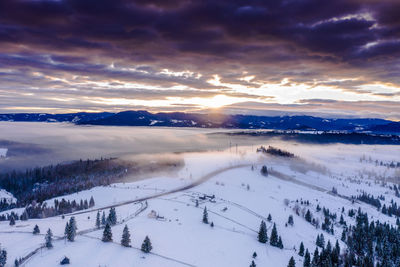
(326, 58)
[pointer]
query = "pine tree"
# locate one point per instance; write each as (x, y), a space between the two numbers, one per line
(16, 263)
(301, 249)
(320, 242)
(341, 221)
(71, 228)
(103, 218)
(126, 237)
(292, 262)
(280, 243)
(66, 230)
(205, 215)
(253, 264)
(307, 259)
(290, 220)
(12, 220)
(112, 217)
(107, 234)
(262, 233)
(3, 257)
(274, 236)
(269, 217)
(343, 238)
(212, 224)
(146, 245)
(24, 216)
(36, 230)
(49, 239)
(91, 202)
(308, 216)
(315, 258)
(98, 223)
(254, 255)
(264, 170)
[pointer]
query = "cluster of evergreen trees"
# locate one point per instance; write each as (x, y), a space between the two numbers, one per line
(327, 257)
(392, 209)
(279, 152)
(329, 219)
(370, 199)
(274, 240)
(6, 205)
(371, 243)
(51, 181)
(60, 207)
(126, 238)
(111, 219)
(389, 210)
(40, 210)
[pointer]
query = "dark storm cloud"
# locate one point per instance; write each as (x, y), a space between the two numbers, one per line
(305, 41)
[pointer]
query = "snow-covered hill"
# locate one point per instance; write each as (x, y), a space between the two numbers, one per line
(169, 209)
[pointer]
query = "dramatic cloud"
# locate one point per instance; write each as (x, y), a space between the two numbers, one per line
(65, 55)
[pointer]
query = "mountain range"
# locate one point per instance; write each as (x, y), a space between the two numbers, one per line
(179, 119)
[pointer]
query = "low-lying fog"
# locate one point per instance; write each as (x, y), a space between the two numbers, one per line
(31, 144)
(34, 143)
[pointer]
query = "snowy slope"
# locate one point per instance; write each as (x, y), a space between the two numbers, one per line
(243, 197)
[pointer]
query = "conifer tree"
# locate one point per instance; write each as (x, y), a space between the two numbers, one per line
(126, 237)
(343, 238)
(264, 170)
(91, 202)
(341, 221)
(205, 215)
(253, 264)
(274, 236)
(301, 249)
(315, 258)
(307, 259)
(269, 217)
(107, 234)
(292, 262)
(16, 263)
(308, 216)
(321, 243)
(71, 228)
(254, 255)
(12, 220)
(262, 233)
(290, 220)
(280, 243)
(36, 230)
(3, 257)
(146, 245)
(24, 216)
(49, 239)
(98, 223)
(337, 247)
(112, 217)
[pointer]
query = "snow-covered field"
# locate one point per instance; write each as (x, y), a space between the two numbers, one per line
(3, 152)
(243, 198)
